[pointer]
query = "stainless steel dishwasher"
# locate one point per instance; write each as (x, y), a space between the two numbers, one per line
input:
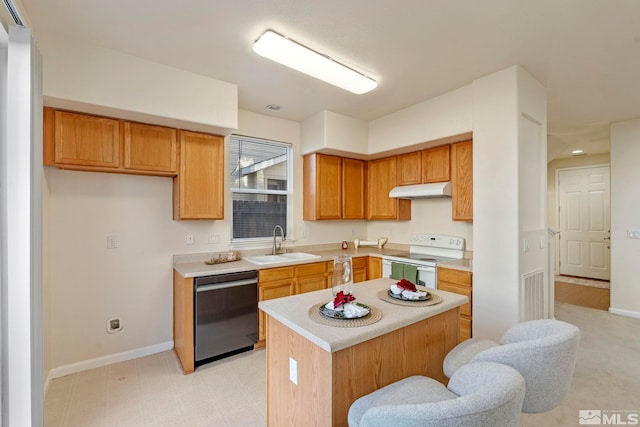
(226, 315)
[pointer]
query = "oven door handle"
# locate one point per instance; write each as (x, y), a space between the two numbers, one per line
(426, 269)
(224, 285)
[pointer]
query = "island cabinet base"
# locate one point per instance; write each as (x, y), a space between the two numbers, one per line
(328, 383)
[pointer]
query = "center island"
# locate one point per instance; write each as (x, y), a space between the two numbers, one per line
(315, 372)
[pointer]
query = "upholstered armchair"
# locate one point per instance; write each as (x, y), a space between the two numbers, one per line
(478, 394)
(543, 351)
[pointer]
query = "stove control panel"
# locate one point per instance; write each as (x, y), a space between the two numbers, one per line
(437, 241)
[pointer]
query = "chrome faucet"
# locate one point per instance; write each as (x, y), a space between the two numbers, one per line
(276, 249)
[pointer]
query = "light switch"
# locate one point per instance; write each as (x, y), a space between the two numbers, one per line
(633, 234)
(189, 239)
(112, 241)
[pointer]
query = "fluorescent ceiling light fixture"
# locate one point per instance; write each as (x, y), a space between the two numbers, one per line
(294, 55)
(577, 152)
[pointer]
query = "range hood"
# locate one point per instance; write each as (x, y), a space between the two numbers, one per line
(421, 191)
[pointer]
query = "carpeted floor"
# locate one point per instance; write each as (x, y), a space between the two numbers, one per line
(607, 375)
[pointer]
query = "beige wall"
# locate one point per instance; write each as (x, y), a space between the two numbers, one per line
(625, 215)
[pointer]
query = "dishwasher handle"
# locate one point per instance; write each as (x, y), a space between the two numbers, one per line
(223, 285)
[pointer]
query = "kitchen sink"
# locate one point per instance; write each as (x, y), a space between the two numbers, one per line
(272, 259)
(266, 259)
(300, 255)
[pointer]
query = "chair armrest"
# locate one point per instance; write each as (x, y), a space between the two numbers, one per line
(463, 353)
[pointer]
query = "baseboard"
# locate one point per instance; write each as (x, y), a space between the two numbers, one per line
(110, 359)
(627, 313)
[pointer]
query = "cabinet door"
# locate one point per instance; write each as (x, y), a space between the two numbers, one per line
(382, 178)
(322, 187)
(409, 168)
(199, 186)
(85, 140)
(436, 164)
(310, 284)
(375, 268)
(270, 290)
(150, 148)
(354, 189)
(462, 181)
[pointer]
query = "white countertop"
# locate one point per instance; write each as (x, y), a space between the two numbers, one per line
(194, 266)
(293, 312)
(465, 264)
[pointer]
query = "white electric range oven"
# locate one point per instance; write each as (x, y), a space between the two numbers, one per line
(426, 251)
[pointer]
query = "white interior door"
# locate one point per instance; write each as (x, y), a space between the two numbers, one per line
(584, 216)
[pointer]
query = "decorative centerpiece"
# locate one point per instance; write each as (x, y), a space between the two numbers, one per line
(344, 307)
(406, 290)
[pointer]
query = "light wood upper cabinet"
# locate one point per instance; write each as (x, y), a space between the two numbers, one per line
(322, 182)
(436, 165)
(199, 186)
(382, 178)
(334, 187)
(150, 148)
(84, 140)
(462, 181)
(354, 189)
(409, 168)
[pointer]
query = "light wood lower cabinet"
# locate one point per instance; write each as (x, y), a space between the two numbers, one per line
(183, 333)
(284, 281)
(459, 282)
(374, 268)
(272, 283)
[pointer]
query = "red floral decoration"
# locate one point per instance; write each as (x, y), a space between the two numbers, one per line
(342, 298)
(407, 285)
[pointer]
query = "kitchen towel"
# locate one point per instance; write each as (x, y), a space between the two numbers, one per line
(397, 270)
(410, 272)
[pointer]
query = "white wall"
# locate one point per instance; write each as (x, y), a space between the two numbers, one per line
(505, 104)
(440, 117)
(427, 216)
(96, 80)
(21, 226)
(88, 283)
(625, 215)
(338, 133)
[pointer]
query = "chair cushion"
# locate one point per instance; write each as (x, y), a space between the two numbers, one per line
(463, 353)
(412, 390)
(490, 395)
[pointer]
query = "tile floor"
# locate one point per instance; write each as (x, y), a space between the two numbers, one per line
(151, 391)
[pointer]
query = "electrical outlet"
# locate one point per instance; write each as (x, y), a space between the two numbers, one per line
(112, 241)
(189, 239)
(293, 370)
(114, 325)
